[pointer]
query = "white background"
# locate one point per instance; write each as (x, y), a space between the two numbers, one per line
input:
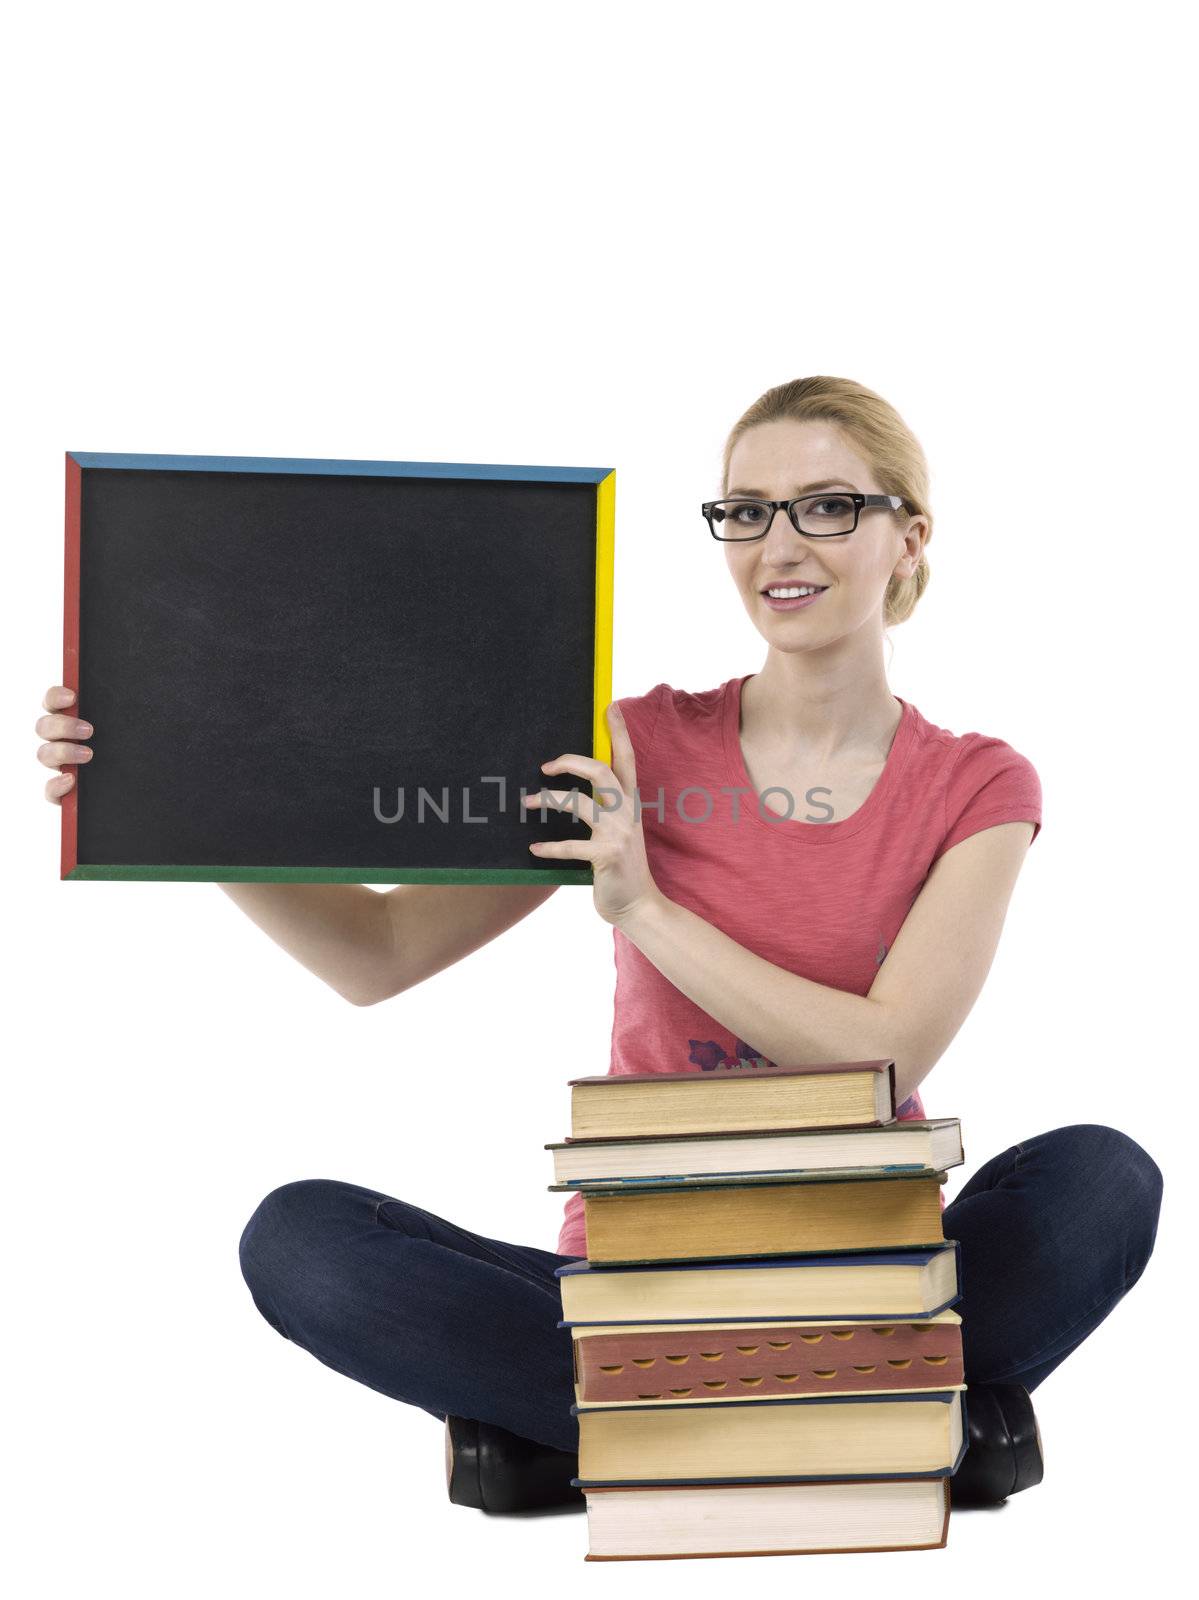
(590, 237)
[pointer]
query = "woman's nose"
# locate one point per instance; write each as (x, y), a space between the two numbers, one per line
(782, 535)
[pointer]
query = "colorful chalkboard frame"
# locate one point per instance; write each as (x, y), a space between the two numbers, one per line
(581, 501)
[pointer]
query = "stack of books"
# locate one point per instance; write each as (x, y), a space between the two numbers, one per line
(766, 1359)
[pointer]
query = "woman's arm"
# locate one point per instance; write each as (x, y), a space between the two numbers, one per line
(923, 992)
(370, 946)
(367, 946)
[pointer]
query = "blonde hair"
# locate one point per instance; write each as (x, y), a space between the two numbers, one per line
(879, 435)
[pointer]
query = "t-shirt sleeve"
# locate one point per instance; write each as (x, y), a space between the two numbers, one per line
(989, 783)
(641, 713)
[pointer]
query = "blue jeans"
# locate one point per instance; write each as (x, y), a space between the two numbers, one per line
(1053, 1232)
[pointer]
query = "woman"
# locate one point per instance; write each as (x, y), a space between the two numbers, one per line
(854, 918)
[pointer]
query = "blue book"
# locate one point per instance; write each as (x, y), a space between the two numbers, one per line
(865, 1286)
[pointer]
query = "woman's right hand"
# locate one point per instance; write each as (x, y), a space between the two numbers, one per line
(60, 728)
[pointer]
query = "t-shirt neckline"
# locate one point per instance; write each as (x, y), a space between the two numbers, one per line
(811, 832)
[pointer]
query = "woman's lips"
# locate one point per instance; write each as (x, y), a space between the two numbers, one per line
(792, 605)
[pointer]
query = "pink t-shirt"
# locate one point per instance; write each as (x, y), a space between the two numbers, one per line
(822, 899)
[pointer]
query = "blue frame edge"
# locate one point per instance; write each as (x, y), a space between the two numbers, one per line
(363, 469)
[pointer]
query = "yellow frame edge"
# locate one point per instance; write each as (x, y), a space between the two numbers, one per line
(605, 545)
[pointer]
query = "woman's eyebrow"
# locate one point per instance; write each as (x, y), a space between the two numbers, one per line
(806, 488)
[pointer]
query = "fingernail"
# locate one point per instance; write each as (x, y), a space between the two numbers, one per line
(86, 730)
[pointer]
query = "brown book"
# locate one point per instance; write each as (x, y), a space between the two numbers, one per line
(721, 1220)
(825, 1517)
(742, 1360)
(836, 1094)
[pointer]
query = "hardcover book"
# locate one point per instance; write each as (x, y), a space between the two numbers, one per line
(868, 1286)
(919, 1434)
(705, 1361)
(735, 1218)
(733, 1099)
(822, 1517)
(913, 1145)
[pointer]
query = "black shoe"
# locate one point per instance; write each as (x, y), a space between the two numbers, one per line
(1003, 1454)
(496, 1471)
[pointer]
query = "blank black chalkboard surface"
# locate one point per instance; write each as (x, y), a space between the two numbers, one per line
(332, 671)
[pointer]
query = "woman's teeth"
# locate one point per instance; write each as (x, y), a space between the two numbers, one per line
(794, 594)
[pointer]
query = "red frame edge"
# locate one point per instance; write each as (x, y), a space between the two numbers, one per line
(70, 653)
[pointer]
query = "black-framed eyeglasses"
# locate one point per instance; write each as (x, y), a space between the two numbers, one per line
(817, 516)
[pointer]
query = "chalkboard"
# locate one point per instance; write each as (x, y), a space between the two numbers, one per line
(332, 671)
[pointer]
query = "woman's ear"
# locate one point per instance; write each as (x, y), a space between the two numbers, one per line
(916, 536)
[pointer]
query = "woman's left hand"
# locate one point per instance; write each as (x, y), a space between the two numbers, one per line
(622, 881)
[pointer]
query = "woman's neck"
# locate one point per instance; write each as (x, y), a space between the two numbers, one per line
(823, 713)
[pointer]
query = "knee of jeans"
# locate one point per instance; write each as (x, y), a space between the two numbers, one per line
(1118, 1166)
(279, 1228)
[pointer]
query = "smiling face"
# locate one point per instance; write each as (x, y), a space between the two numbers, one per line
(779, 461)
